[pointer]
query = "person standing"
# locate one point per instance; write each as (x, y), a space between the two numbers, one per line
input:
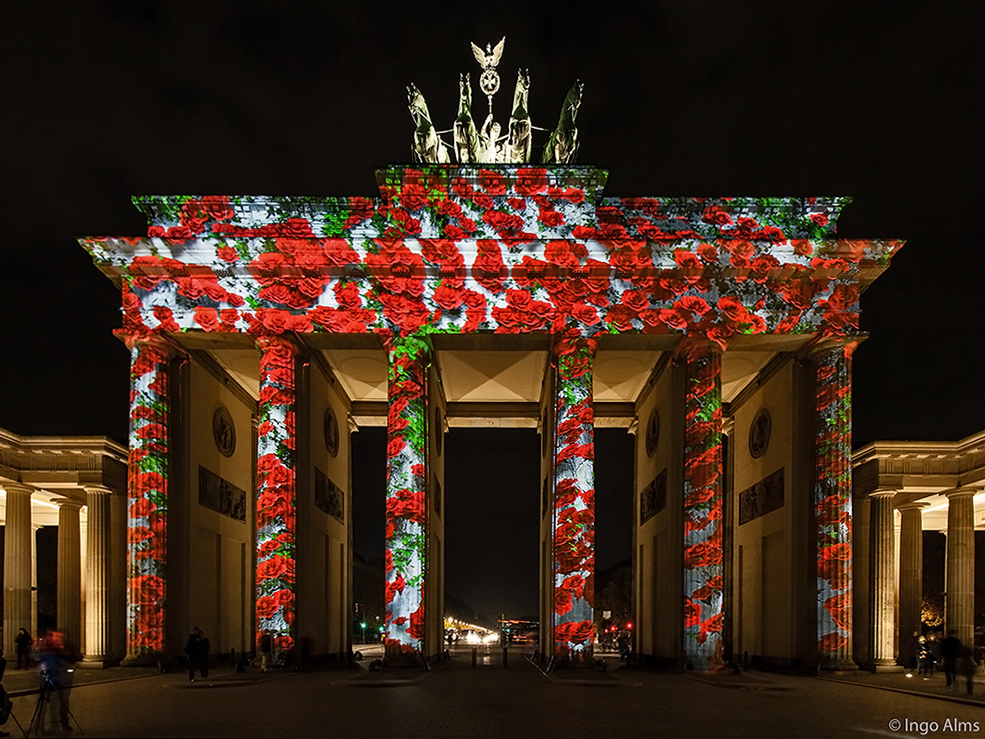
(197, 650)
(950, 649)
(204, 647)
(23, 641)
(56, 680)
(266, 647)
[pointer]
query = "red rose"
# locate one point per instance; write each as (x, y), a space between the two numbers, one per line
(831, 642)
(146, 589)
(274, 567)
(702, 555)
(550, 218)
(692, 613)
(412, 197)
(266, 607)
(715, 215)
(492, 182)
(395, 446)
(840, 608)
(562, 601)
(448, 298)
(530, 181)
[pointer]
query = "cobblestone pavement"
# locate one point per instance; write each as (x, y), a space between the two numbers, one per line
(458, 701)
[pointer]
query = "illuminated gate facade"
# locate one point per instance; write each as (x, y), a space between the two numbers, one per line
(707, 292)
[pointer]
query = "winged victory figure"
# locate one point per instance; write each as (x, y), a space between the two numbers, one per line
(490, 57)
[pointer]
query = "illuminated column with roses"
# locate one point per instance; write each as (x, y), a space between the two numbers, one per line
(703, 596)
(147, 504)
(833, 503)
(574, 501)
(276, 494)
(405, 500)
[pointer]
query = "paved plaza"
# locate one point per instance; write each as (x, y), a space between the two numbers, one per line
(456, 700)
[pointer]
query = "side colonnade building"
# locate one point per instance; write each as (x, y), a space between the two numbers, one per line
(901, 489)
(263, 330)
(78, 484)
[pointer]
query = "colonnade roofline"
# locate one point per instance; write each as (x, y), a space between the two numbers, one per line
(62, 464)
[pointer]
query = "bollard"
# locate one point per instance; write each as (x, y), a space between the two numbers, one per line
(473, 656)
(506, 657)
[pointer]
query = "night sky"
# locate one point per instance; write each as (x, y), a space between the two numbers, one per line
(880, 101)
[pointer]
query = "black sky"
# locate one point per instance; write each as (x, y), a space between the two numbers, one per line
(881, 101)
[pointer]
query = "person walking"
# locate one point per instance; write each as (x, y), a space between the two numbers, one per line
(197, 649)
(950, 648)
(23, 641)
(266, 648)
(204, 647)
(967, 667)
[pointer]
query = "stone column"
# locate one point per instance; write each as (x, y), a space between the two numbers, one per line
(573, 517)
(703, 601)
(406, 510)
(833, 503)
(861, 592)
(147, 515)
(960, 566)
(911, 577)
(17, 564)
(882, 578)
(276, 506)
(69, 596)
(34, 577)
(98, 567)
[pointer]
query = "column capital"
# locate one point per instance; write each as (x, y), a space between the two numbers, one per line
(825, 344)
(883, 493)
(913, 505)
(264, 342)
(68, 503)
(18, 487)
(145, 341)
(98, 490)
(961, 492)
(690, 345)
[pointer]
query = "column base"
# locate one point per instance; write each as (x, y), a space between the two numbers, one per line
(882, 666)
(97, 663)
(148, 659)
(845, 665)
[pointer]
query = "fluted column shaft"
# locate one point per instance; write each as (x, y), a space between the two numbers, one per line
(882, 576)
(98, 564)
(960, 568)
(573, 517)
(910, 577)
(69, 587)
(17, 564)
(276, 506)
(406, 506)
(703, 569)
(833, 503)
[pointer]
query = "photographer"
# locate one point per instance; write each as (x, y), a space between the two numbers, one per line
(56, 679)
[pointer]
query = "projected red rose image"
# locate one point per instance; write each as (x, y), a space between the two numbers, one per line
(833, 500)
(507, 249)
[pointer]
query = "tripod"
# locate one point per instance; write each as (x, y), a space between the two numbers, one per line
(44, 696)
